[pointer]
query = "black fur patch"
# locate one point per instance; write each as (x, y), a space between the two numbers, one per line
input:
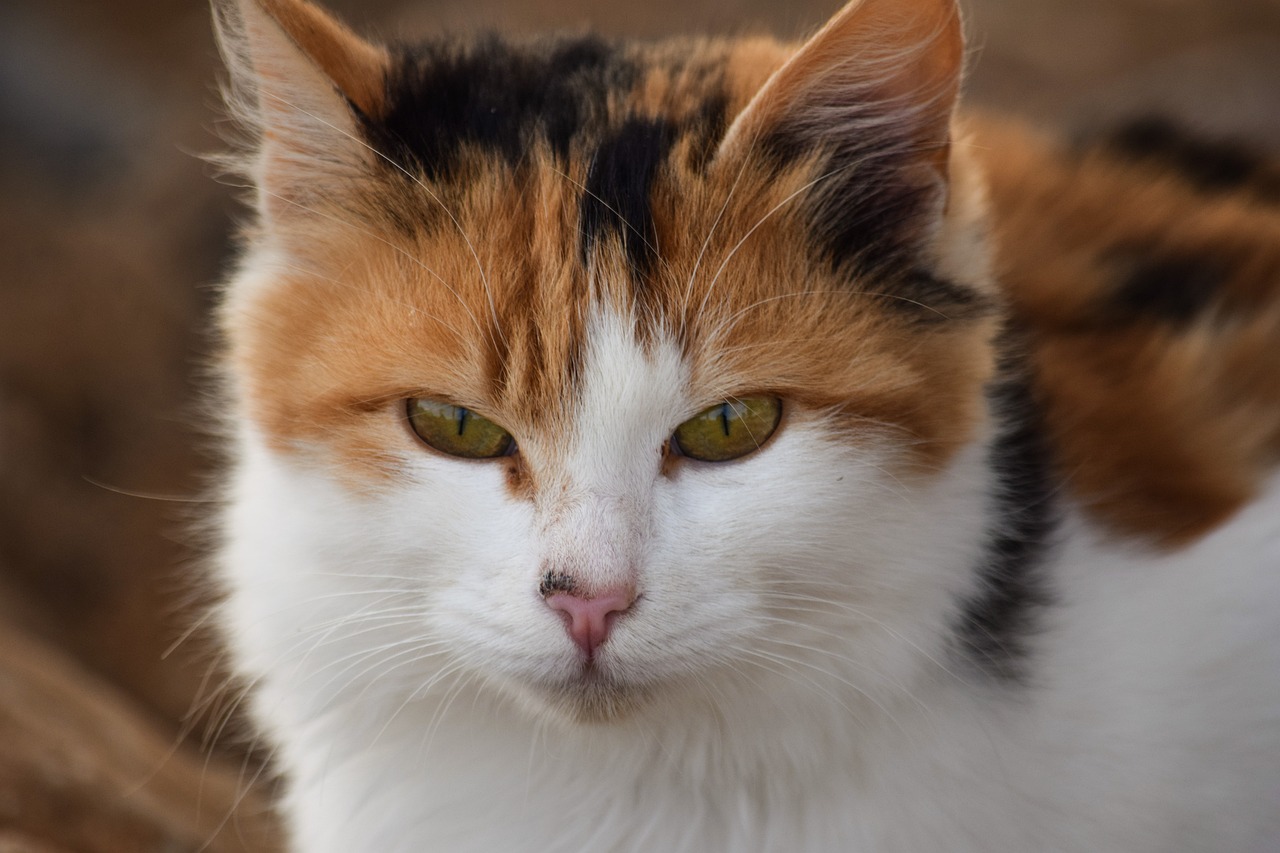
(881, 225)
(495, 96)
(1172, 288)
(616, 198)
(997, 623)
(1210, 165)
(872, 198)
(707, 127)
(871, 205)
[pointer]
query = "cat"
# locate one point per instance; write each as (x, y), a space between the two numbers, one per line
(639, 447)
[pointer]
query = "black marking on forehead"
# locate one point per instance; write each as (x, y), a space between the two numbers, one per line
(707, 127)
(615, 200)
(496, 96)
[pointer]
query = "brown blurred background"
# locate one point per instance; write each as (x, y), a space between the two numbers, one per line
(112, 234)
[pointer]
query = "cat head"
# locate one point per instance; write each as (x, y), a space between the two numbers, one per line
(627, 362)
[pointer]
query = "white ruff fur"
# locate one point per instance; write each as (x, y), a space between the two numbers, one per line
(794, 687)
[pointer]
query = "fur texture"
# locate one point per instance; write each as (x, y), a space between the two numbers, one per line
(903, 623)
(1155, 306)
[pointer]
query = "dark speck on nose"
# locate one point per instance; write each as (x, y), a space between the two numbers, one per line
(553, 582)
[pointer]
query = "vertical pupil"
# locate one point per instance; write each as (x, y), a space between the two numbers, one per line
(724, 417)
(463, 415)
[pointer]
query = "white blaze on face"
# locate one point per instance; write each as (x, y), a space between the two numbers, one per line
(595, 508)
(806, 557)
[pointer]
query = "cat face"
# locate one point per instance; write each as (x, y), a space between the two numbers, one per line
(499, 292)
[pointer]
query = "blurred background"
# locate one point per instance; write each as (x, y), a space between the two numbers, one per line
(113, 233)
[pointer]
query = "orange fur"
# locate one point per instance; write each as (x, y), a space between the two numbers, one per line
(389, 317)
(483, 302)
(1162, 429)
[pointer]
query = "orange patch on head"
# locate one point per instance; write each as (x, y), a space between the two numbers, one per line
(473, 286)
(482, 313)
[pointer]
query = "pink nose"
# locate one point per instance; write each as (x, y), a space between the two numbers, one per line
(590, 619)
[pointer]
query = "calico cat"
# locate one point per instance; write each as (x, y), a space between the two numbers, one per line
(639, 448)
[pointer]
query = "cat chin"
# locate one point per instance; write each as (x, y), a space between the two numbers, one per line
(593, 698)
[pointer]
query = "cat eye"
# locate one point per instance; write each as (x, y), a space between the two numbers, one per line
(728, 430)
(458, 431)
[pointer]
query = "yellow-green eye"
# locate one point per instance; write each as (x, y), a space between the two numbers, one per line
(730, 429)
(458, 431)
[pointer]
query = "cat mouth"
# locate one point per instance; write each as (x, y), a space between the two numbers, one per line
(593, 694)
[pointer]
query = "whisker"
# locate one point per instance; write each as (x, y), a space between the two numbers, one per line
(148, 496)
(860, 614)
(733, 189)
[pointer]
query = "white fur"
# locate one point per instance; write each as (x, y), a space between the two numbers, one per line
(792, 633)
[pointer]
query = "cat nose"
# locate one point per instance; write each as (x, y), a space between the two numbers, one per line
(589, 620)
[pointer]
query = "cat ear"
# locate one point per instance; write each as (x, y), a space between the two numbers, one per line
(300, 81)
(873, 92)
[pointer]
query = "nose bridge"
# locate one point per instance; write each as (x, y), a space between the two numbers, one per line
(595, 517)
(592, 540)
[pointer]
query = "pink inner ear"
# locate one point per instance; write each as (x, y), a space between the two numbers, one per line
(904, 54)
